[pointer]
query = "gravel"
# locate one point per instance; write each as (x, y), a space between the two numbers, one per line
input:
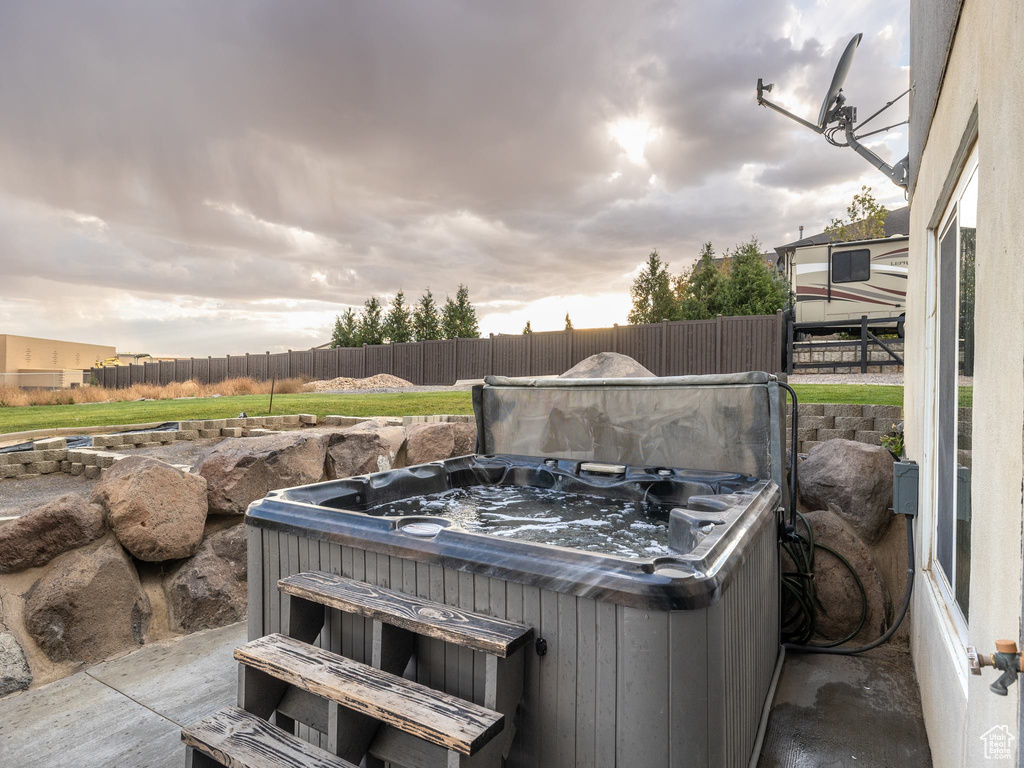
(20, 496)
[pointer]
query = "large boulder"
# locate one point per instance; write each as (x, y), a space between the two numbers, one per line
(371, 446)
(38, 536)
(607, 365)
(15, 674)
(852, 479)
(434, 441)
(239, 471)
(89, 605)
(156, 510)
(209, 589)
(837, 591)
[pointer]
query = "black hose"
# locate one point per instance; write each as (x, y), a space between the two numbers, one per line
(799, 620)
(908, 591)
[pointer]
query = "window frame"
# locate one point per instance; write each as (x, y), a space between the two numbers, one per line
(850, 252)
(959, 623)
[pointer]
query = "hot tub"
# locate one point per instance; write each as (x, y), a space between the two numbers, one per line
(652, 588)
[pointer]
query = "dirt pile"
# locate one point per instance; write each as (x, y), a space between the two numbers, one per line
(377, 381)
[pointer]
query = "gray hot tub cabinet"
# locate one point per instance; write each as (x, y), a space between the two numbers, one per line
(658, 663)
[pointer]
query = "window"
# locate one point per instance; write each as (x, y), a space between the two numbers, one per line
(955, 253)
(851, 266)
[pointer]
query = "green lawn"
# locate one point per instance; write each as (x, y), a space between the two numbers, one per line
(87, 415)
(94, 414)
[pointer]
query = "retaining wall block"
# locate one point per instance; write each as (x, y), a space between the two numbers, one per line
(308, 419)
(254, 421)
(29, 476)
(22, 457)
(91, 472)
(842, 409)
(44, 467)
(869, 436)
(209, 432)
(50, 443)
(885, 425)
(834, 434)
(231, 423)
(815, 422)
(106, 441)
(215, 424)
(290, 420)
(893, 412)
(187, 434)
(65, 466)
(51, 455)
(76, 468)
(809, 444)
(854, 422)
(344, 421)
(231, 432)
(273, 422)
(12, 470)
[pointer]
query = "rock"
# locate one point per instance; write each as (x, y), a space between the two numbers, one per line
(38, 536)
(157, 511)
(607, 365)
(239, 471)
(852, 479)
(367, 447)
(836, 589)
(14, 672)
(209, 589)
(434, 441)
(465, 438)
(89, 605)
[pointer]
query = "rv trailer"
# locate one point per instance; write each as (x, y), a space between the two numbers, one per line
(845, 281)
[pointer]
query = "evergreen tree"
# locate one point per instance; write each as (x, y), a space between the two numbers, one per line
(346, 330)
(527, 328)
(371, 322)
(865, 219)
(398, 323)
(468, 327)
(700, 291)
(426, 320)
(752, 287)
(449, 319)
(652, 293)
(568, 322)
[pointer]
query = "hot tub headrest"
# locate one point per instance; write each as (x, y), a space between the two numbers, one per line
(728, 422)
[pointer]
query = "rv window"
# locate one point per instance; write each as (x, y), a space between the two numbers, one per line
(851, 266)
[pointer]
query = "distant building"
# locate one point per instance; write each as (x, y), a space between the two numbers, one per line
(26, 361)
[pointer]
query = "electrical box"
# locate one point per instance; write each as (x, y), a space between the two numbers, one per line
(904, 488)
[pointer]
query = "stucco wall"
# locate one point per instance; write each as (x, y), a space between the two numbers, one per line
(985, 68)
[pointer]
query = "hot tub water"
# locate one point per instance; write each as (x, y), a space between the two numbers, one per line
(611, 526)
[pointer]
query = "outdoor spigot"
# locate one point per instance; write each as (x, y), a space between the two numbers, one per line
(1006, 658)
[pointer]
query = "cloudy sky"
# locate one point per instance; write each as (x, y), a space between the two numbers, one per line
(193, 178)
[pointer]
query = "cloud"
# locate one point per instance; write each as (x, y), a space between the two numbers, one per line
(213, 156)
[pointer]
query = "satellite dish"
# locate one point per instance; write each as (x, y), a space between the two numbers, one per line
(842, 70)
(834, 110)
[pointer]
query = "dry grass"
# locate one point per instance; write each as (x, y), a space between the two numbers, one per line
(12, 397)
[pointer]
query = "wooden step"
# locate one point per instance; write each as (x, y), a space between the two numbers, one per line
(424, 617)
(431, 715)
(238, 739)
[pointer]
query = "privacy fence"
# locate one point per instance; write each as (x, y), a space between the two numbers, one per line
(721, 345)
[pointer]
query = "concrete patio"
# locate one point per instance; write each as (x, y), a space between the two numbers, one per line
(126, 712)
(834, 711)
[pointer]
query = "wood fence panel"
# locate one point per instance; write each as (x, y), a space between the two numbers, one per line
(350, 362)
(378, 359)
(277, 366)
(474, 359)
(300, 364)
(218, 369)
(510, 355)
(690, 348)
(182, 369)
(548, 353)
(591, 341)
(643, 344)
(407, 362)
(257, 367)
(438, 362)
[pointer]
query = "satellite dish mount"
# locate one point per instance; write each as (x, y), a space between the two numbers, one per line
(835, 118)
